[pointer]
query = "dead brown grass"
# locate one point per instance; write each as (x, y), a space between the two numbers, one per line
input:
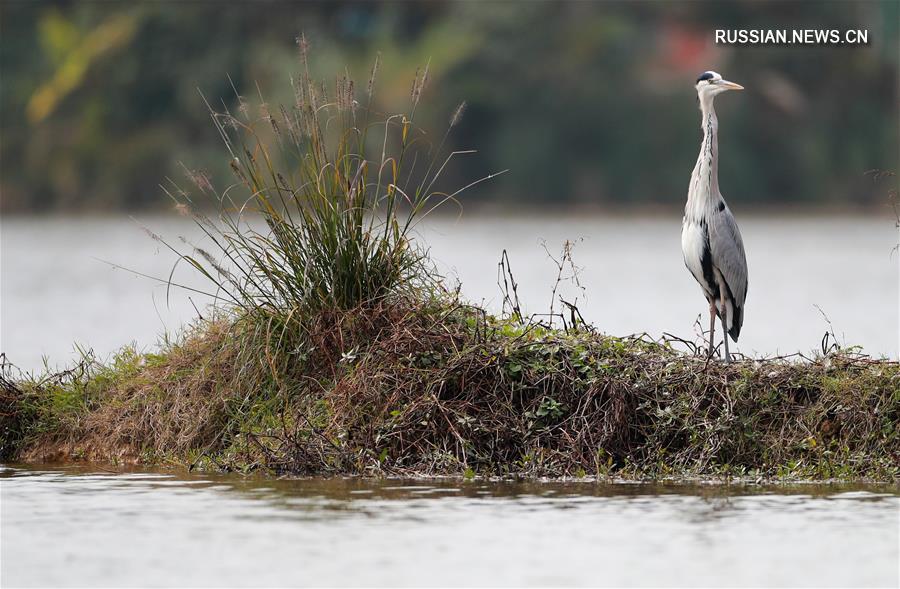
(172, 405)
(158, 405)
(443, 388)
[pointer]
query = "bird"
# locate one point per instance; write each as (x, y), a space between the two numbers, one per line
(710, 239)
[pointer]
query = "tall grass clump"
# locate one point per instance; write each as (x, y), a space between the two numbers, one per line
(340, 188)
(314, 236)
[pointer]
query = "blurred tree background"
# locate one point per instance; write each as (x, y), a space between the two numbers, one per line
(587, 103)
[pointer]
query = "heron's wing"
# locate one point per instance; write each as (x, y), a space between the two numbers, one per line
(728, 255)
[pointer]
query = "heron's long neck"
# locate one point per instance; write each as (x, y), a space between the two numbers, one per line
(705, 179)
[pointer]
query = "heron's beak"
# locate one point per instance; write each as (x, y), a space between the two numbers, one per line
(730, 85)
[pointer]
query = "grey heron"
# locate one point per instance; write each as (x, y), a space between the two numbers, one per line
(710, 239)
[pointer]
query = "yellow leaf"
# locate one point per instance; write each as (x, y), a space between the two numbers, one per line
(109, 35)
(57, 35)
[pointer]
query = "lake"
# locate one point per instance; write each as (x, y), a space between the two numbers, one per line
(78, 527)
(57, 289)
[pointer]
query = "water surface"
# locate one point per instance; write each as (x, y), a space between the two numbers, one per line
(56, 291)
(88, 527)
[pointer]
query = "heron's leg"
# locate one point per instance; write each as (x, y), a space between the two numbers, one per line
(712, 327)
(725, 339)
(725, 328)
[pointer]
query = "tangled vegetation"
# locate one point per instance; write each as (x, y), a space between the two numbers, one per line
(404, 387)
(335, 348)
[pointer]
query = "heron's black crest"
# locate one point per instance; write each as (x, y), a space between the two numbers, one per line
(705, 76)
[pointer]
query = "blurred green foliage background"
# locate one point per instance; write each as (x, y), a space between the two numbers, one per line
(587, 103)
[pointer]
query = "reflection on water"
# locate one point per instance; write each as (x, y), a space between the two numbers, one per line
(80, 526)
